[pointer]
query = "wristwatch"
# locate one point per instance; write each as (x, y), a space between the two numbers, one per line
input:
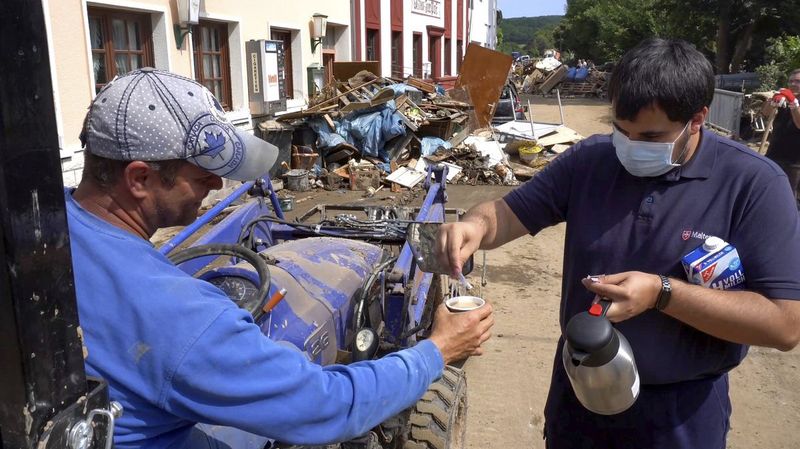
(665, 294)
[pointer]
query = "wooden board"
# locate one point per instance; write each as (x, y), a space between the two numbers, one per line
(559, 148)
(562, 135)
(558, 75)
(483, 75)
(421, 85)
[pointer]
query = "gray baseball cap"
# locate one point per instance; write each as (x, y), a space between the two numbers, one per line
(153, 115)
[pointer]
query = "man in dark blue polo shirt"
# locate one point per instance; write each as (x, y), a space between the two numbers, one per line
(635, 202)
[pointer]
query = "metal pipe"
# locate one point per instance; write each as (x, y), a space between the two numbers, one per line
(204, 219)
(530, 118)
(560, 109)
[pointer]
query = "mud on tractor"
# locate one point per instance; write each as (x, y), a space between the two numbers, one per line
(340, 284)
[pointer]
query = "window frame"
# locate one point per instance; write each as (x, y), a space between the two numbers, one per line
(224, 53)
(416, 50)
(397, 54)
(106, 16)
(374, 43)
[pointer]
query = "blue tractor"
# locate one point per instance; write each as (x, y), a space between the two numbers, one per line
(342, 288)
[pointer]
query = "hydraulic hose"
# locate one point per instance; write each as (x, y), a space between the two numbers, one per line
(358, 313)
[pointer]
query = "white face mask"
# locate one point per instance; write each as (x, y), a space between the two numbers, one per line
(646, 159)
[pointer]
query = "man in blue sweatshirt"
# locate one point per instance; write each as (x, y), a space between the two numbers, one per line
(175, 350)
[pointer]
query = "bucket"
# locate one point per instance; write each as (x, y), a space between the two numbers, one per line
(529, 152)
(297, 180)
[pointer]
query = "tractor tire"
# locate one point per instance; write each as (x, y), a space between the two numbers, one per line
(439, 419)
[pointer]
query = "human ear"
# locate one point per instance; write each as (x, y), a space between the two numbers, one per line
(138, 178)
(697, 120)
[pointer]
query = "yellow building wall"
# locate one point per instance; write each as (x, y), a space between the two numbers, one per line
(248, 19)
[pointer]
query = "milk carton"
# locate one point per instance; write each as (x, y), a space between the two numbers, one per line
(714, 264)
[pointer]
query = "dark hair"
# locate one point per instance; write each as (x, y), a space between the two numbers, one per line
(105, 173)
(670, 74)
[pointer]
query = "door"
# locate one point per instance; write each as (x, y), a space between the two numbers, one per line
(286, 38)
(327, 60)
(434, 55)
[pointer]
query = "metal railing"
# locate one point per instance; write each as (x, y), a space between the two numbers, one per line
(725, 112)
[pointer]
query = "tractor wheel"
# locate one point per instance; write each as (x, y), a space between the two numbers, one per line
(439, 419)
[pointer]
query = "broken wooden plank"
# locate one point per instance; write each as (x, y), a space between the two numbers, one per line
(383, 96)
(559, 148)
(305, 113)
(318, 106)
(522, 172)
(329, 121)
(421, 85)
(562, 135)
(343, 98)
(354, 106)
(459, 137)
(555, 77)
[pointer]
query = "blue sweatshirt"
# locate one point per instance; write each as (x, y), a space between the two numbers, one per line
(176, 351)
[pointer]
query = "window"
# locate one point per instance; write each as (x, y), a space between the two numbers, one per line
(288, 79)
(211, 60)
(397, 54)
(416, 47)
(459, 54)
(373, 45)
(448, 57)
(121, 42)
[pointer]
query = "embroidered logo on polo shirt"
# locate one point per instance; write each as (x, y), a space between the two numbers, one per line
(688, 233)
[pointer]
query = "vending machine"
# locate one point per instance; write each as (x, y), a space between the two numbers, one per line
(265, 77)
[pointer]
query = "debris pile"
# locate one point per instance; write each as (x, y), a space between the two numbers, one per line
(367, 132)
(570, 81)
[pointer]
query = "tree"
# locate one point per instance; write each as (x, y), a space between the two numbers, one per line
(603, 30)
(732, 33)
(783, 56)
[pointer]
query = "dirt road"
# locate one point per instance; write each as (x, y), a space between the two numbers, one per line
(508, 385)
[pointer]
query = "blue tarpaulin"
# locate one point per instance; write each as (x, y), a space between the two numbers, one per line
(368, 130)
(431, 144)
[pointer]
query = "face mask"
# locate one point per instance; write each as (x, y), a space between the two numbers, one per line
(646, 159)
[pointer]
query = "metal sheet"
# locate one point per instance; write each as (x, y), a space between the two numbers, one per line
(725, 111)
(523, 129)
(483, 75)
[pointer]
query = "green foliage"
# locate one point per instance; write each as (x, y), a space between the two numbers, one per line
(528, 35)
(782, 55)
(732, 33)
(784, 52)
(770, 76)
(603, 30)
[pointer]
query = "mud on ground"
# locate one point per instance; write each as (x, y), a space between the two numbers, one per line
(508, 385)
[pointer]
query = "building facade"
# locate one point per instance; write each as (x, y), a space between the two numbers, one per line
(91, 41)
(423, 38)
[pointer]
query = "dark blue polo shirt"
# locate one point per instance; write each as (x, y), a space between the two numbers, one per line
(617, 222)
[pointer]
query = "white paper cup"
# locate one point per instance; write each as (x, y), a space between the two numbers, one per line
(464, 303)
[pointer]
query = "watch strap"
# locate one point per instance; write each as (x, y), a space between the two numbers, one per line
(665, 294)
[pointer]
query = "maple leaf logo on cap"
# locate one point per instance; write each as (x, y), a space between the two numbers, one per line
(215, 144)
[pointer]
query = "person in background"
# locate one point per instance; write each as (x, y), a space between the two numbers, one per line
(784, 143)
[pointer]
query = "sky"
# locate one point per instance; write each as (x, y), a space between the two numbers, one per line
(532, 8)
